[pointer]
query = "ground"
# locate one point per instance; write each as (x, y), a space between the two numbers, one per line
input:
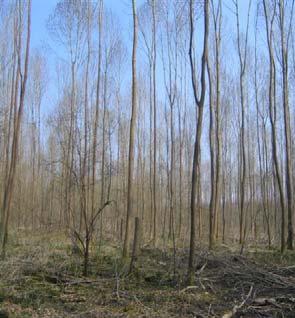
(41, 277)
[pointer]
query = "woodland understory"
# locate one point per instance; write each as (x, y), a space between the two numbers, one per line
(41, 277)
(147, 159)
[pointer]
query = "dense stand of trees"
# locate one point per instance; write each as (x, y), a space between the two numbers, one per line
(196, 145)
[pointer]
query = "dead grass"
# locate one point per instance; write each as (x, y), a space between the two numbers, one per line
(41, 278)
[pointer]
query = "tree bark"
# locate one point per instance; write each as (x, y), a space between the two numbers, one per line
(9, 185)
(129, 211)
(199, 102)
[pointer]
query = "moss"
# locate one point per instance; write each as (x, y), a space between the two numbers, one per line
(152, 290)
(4, 313)
(207, 297)
(273, 257)
(33, 293)
(2, 296)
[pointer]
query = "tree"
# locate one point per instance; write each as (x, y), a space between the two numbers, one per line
(269, 21)
(285, 33)
(215, 136)
(22, 75)
(154, 46)
(129, 211)
(199, 101)
(242, 54)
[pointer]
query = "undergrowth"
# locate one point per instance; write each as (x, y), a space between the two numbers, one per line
(41, 277)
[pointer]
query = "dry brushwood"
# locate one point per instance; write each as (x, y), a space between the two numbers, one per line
(238, 307)
(274, 286)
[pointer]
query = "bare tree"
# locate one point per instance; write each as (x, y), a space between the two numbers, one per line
(215, 128)
(199, 101)
(269, 21)
(131, 136)
(22, 77)
(285, 33)
(154, 65)
(242, 53)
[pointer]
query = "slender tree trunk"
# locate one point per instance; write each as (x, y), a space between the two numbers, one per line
(243, 62)
(218, 134)
(287, 126)
(129, 211)
(196, 173)
(155, 123)
(212, 161)
(272, 114)
(97, 101)
(9, 186)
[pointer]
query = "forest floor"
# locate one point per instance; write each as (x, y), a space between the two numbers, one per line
(41, 278)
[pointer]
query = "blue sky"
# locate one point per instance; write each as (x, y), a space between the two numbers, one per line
(40, 39)
(41, 9)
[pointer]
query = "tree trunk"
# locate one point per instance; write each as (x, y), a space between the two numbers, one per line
(196, 173)
(129, 211)
(9, 185)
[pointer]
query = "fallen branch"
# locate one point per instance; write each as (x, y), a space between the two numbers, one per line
(238, 307)
(188, 288)
(199, 272)
(86, 281)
